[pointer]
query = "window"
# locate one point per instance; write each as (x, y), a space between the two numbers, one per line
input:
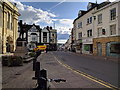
(86, 47)
(34, 37)
(89, 33)
(89, 20)
(115, 48)
(80, 35)
(113, 14)
(8, 20)
(1, 21)
(11, 22)
(53, 35)
(113, 29)
(44, 34)
(45, 40)
(99, 18)
(101, 31)
(80, 25)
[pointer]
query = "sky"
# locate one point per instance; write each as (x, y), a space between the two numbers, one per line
(56, 13)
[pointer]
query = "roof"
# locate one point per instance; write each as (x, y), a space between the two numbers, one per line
(27, 27)
(93, 6)
(102, 4)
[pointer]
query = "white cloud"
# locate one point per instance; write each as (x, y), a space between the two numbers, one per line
(64, 26)
(62, 41)
(31, 15)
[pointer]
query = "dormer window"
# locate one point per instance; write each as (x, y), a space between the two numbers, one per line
(89, 6)
(80, 13)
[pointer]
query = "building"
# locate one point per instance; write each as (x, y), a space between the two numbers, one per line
(31, 34)
(97, 30)
(53, 39)
(49, 37)
(45, 36)
(107, 30)
(8, 26)
(83, 26)
(73, 38)
(68, 44)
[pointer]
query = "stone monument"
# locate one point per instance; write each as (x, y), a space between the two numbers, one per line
(21, 49)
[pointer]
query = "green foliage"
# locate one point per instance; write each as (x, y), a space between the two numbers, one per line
(12, 61)
(32, 54)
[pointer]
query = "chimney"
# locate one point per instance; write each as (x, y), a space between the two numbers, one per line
(47, 28)
(50, 28)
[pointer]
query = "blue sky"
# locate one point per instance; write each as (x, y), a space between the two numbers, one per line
(64, 10)
(47, 13)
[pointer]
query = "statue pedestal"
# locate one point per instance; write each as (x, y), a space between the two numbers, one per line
(21, 48)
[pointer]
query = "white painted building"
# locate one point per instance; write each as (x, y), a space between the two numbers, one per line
(33, 37)
(98, 29)
(31, 34)
(45, 36)
(84, 29)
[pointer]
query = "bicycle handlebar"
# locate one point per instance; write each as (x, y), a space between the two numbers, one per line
(57, 80)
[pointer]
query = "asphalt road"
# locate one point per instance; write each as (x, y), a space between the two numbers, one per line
(102, 69)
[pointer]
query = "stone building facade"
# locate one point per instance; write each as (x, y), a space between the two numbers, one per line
(8, 26)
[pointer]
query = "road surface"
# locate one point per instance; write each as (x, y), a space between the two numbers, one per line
(99, 68)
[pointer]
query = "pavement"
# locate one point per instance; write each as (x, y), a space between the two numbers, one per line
(56, 70)
(19, 77)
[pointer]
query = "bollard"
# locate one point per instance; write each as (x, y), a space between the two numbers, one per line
(34, 62)
(42, 82)
(37, 69)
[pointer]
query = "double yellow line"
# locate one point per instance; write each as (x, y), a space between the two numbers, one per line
(108, 85)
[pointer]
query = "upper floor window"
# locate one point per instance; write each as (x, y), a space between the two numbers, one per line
(89, 6)
(113, 29)
(89, 33)
(8, 20)
(99, 18)
(80, 25)
(113, 14)
(89, 20)
(53, 35)
(1, 21)
(80, 35)
(33, 36)
(101, 31)
(44, 34)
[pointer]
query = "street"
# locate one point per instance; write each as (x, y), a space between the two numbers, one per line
(105, 70)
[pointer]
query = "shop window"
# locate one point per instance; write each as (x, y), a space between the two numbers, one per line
(115, 48)
(86, 47)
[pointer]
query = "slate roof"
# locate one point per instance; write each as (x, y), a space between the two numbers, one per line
(93, 6)
(27, 27)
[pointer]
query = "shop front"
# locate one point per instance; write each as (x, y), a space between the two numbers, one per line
(107, 46)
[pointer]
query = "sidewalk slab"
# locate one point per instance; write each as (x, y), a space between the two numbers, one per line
(56, 70)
